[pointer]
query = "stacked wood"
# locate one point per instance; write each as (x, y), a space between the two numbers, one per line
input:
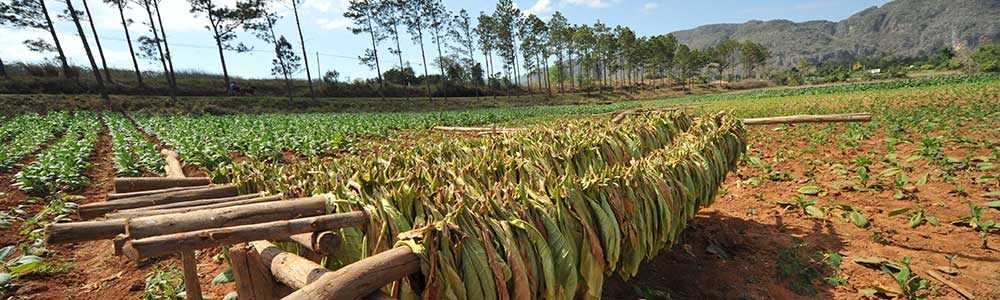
(173, 167)
(841, 118)
(117, 196)
(211, 203)
(140, 184)
(161, 245)
(194, 203)
(94, 210)
(323, 243)
(64, 233)
(224, 217)
(295, 271)
(361, 278)
(253, 279)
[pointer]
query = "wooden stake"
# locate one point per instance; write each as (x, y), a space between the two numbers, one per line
(295, 271)
(952, 285)
(253, 279)
(323, 243)
(192, 287)
(361, 278)
(858, 117)
(161, 245)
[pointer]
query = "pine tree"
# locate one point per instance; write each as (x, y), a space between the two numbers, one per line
(364, 14)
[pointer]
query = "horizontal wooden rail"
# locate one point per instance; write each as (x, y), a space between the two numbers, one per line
(65, 233)
(118, 196)
(476, 129)
(162, 245)
(94, 210)
(841, 118)
(224, 217)
(139, 184)
(236, 201)
(361, 278)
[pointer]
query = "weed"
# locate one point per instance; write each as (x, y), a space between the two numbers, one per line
(801, 267)
(164, 284)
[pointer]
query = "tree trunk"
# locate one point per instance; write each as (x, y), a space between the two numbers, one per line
(128, 39)
(572, 79)
(97, 40)
(281, 61)
(399, 54)
(170, 59)
(90, 55)
(305, 55)
(218, 45)
(3, 70)
(378, 67)
(427, 79)
(444, 80)
(159, 48)
(55, 39)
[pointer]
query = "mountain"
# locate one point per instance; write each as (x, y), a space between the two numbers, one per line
(900, 28)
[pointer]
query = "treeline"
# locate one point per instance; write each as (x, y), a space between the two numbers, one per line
(504, 52)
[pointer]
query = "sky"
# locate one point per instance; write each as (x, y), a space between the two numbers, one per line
(326, 34)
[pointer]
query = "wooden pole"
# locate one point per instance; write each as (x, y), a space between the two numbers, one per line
(841, 118)
(139, 184)
(94, 210)
(253, 279)
(192, 203)
(161, 245)
(192, 288)
(361, 278)
(224, 217)
(961, 291)
(154, 212)
(292, 270)
(173, 167)
(64, 233)
(323, 243)
(476, 129)
(117, 196)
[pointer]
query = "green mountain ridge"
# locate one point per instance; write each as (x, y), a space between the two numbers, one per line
(901, 28)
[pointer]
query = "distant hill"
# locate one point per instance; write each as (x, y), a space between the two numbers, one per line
(900, 28)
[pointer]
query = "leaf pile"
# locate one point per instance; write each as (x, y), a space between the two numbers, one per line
(547, 213)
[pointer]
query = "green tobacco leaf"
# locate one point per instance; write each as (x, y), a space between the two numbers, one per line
(899, 211)
(815, 212)
(811, 190)
(859, 220)
(753, 181)
(915, 220)
(992, 195)
(992, 204)
(224, 277)
(230, 296)
(24, 264)
(932, 221)
(6, 251)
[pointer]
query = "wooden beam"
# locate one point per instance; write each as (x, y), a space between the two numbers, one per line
(239, 200)
(64, 233)
(253, 279)
(161, 245)
(200, 202)
(117, 196)
(224, 217)
(94, 210)
(192, 288)
(361, 278)
(139, 184)
(173, 167)
(476, 129)
(295, 271)
(841, 118)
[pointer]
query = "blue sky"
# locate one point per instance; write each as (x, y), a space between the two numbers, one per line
(324, 29)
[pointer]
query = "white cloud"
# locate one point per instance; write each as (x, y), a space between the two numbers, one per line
(587, 3)
(649, 6)
(540, 7)
(329, 24)
(323, 6)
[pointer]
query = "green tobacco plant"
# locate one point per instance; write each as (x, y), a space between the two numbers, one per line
(910, 285)
(975, 221)
(164, 283)
(804, 206)
(852, 214)
(15, 266)
(918, 216)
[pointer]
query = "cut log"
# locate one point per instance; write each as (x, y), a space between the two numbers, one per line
(253, 279)
(361, 278)
(290, 269)
(162, 245)
(138, 184)
(858, 117)
(323, 243)
(64, 233)
(213, 203)
(225, 217)
(118, 196)
(476, 129)
(173, 167)
(295, 271)
(94, 210)
(201, 202)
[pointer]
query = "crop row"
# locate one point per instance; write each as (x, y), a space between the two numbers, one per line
(207, 141)
(134, 155)
(27, 134)
(61, 166)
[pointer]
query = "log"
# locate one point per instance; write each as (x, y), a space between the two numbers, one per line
(240, 200)
(192, 289)
(323, 243)
(117, 196)
(476, 129)
(138, 184)
(295, 271)
(225, 217)
(290, 269)
(841, 118)
(361, 278)
(201, 202)
(64, 233)
(253, 279)
(162, 245)
(173, 167)
(94, 210)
